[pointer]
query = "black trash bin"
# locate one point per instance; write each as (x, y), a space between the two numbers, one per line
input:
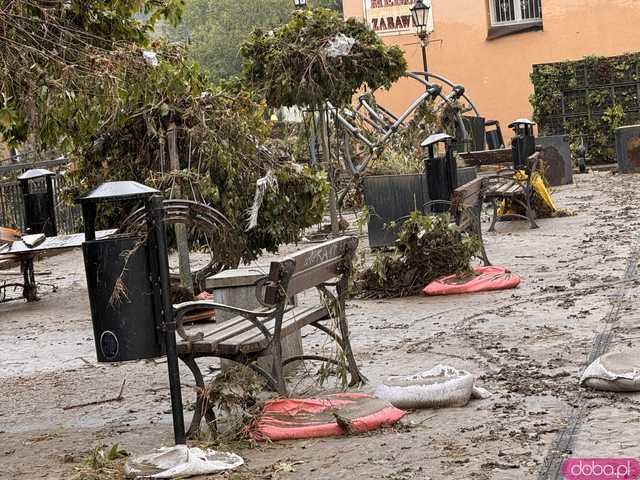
(441, 171)
(137, 322)
(119, 282)
(523, 144)
(39, 206)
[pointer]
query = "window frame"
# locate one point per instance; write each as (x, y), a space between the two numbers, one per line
(517, 14)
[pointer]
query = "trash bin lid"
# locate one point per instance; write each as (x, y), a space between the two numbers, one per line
(118, 191)
(435, 138)
(521, 121)
(35, 173)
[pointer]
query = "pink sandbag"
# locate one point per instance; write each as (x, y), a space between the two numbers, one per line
(289, 419)
(484, 279)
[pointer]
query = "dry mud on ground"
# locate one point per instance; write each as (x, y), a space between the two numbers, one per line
(527, 346)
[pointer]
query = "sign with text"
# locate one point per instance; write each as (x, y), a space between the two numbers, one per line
(393, 17)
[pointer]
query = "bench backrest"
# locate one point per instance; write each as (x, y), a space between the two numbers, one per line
(466, 197)
(311, 266)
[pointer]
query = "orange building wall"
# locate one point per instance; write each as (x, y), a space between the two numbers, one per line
(496, 72)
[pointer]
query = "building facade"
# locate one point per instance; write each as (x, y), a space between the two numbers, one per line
(490, 46)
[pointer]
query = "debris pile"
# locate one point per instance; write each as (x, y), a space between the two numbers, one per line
(428, 247)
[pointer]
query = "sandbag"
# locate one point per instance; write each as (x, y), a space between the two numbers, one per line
(440, 387)
(288, 419)
(614, 372)
(181, 462)
(483, 279)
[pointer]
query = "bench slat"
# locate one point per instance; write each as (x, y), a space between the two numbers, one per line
(244, 336)
(311, 266)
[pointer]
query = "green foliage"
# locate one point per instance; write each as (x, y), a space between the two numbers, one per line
(592, 109)
(215, 29)
(428, 246)
(291, 66)
(56, 53)
(102, 463)
(79, 83)
(221, 138)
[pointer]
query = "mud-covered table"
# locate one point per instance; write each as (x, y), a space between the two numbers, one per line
(21, 252)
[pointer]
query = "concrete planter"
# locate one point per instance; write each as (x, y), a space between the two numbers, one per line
(237, 289)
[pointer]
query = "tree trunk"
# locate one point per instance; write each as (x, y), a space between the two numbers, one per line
(326, 159)
(186, 278)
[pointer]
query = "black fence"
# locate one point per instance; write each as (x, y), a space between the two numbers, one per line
(588, 99)
(68, 217)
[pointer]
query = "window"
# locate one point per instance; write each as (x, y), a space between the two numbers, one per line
(512, 12)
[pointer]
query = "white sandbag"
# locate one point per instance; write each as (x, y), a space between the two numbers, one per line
(614, 372)
(181, 462)
(439, 387)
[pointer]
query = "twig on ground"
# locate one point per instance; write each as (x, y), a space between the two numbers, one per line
(99, 402)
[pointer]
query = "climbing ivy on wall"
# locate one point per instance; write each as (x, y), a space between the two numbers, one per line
(587, 100)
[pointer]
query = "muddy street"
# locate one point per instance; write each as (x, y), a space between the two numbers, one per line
(527, 347)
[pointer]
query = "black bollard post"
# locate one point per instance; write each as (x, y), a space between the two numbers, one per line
(164, 310)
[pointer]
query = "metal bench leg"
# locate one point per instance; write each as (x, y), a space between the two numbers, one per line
(476, 222)
(30, 290)
(494, 204)
(357, 378)
(277, 368)
(530, 212)
(202, 405)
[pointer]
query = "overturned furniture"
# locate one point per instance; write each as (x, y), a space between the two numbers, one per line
(255, 334)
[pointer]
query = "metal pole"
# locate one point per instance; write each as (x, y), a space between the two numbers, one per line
(164, 317)
(423, 44)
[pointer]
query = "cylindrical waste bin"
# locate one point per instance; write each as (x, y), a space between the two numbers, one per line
(119, 282)
(39, 206)
(523, 144)
(129, 291)
(441, 171)
(121, 299)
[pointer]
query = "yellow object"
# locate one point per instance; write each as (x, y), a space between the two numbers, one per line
(537, 182)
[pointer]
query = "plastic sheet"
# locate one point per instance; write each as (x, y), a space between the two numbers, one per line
(340, 45)
(181, 462)
(484, 279)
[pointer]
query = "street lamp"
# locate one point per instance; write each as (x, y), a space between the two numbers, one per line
(420, 16)
(299, 4)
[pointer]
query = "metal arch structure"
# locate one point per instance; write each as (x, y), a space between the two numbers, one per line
(385, 124)
(207, 221)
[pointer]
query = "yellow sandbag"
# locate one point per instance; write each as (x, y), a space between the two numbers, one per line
(541, 189)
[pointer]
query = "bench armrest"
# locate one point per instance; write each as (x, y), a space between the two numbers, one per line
(181, 309)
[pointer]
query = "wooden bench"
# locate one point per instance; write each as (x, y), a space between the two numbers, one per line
(506, 185)
(255, 334)
(466, 208)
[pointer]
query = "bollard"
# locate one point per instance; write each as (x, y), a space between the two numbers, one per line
(39, 207)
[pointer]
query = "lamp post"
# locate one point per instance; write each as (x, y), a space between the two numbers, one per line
(300, 4)
(420, 16)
